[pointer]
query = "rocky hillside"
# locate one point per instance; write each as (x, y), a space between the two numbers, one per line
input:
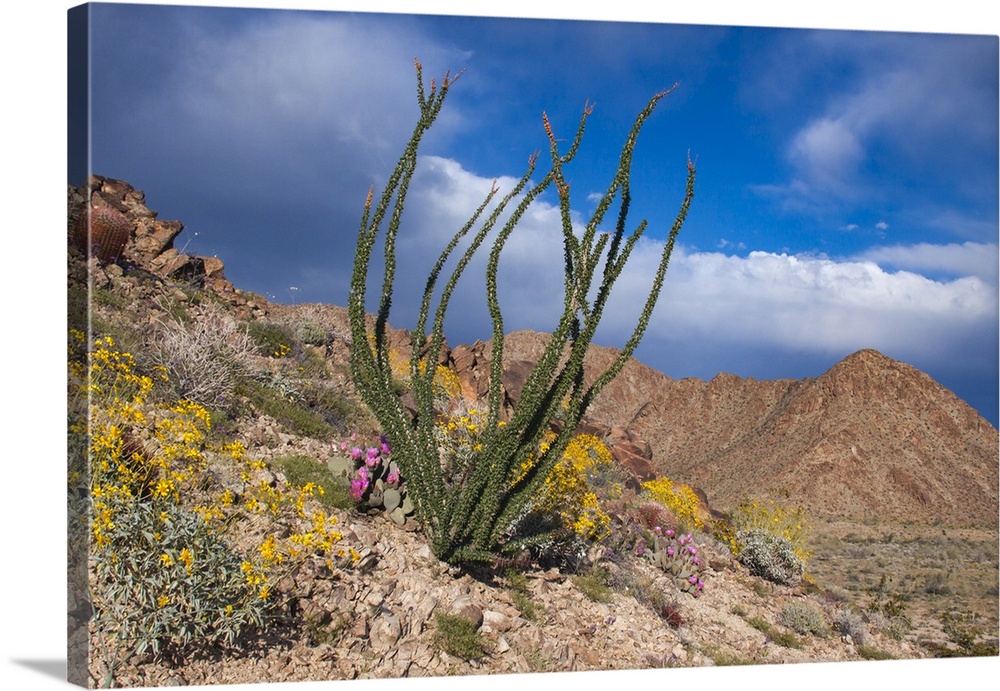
(870, 438)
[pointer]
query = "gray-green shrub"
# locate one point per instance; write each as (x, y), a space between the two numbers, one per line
(850, 623)
(203, 357)
(769, 556)
(803, 618)
(312, 333)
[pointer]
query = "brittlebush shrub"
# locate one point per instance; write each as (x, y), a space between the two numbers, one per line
(567, 493)
(168, 575)
(447, 387)
(677, 498)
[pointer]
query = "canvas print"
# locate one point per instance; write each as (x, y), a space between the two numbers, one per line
(422, 346)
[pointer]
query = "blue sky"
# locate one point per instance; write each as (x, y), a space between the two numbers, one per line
(847, 189)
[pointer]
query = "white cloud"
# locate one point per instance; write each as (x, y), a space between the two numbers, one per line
(804, 304)
(763, 300)
(914, 105)
(965, 259)
(273, 91)
(826, 152)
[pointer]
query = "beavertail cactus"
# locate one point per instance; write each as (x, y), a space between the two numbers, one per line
(678, 556)
(375, 479)
(109, 231)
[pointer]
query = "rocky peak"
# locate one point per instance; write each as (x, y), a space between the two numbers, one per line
(151, 246)
(871, 437)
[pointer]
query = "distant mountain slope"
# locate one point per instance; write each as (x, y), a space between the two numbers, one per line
(871, 437)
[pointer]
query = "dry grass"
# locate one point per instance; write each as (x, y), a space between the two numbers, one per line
(933, 569)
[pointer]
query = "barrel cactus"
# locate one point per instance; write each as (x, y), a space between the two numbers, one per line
(108, 232)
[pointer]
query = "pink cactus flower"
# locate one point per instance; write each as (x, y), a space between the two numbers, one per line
(358, 487)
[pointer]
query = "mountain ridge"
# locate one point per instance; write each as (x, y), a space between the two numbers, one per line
(870, 437)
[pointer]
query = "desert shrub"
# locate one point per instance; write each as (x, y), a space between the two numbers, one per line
(518, 584)
(292, 411)
(769, 556)
(566, 496)
(965, 629)
(850, 623)
(329, 403)
(312, 333)
(678, 498)
(870, 652)
(834, 593)
(105, 297)
(889, 606)
(895, 627)
(457, 636)
(164, 580)
(938, 583)
(803, 618)
(887, 599)
(782, 638)
(594, 584)
(790, 524)
(280, 383)
(204, 359)
(726, 658)
(567, 492)
(447, 387)
(304, 470)
(77, 307)
(174, 569)
(271, 339)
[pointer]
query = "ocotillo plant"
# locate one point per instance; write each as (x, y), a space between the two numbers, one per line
(483, 516)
